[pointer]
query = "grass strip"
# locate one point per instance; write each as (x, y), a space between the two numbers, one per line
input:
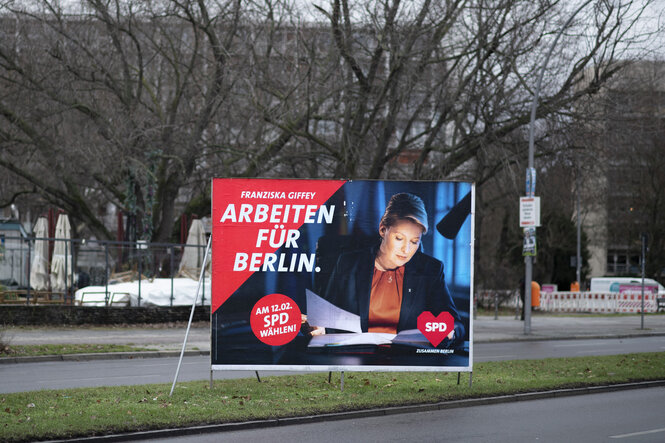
(57, 414)
(36, 350)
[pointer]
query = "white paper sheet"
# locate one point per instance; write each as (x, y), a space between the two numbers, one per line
(322, 313)
(365, 338)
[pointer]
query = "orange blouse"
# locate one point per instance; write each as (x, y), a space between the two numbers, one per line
(385, 300)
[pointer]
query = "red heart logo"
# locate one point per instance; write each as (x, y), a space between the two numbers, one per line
(435, 329)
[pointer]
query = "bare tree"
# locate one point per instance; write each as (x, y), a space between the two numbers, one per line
(117, 102)
(424, 89)
(137, 104)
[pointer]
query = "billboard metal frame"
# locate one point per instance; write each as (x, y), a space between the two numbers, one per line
(348, 211)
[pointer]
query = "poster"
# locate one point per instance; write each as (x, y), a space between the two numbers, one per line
(341, 275)
(529, 244)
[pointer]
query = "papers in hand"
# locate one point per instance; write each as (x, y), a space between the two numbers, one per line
(321, 312)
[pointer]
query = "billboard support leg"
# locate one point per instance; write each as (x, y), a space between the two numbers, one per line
(342, 382)
(211, 379)
(459, 374)
(329, 377)
(470, 378)
(191, 315)
(257, 376)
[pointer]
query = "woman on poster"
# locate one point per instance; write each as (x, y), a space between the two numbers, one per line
(391, 284)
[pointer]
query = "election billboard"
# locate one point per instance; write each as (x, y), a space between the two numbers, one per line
(341, 275)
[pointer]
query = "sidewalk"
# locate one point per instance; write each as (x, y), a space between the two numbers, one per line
(559, 327)
(485, 329)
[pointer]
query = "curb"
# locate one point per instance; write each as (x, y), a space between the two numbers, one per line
(99, 356)
(570, 337)
(229, 427)
(159, 354)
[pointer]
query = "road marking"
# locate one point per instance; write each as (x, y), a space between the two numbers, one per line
(634, 434)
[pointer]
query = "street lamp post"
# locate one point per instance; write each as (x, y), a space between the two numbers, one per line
(578, 258)
(531, 188)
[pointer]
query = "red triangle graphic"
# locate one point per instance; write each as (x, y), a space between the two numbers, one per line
(250, 217)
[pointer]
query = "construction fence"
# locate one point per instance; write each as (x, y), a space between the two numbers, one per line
(628, 302)
(27, 274)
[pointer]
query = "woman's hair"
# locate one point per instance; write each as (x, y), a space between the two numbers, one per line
(405, 206)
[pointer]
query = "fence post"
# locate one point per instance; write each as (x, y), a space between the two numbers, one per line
(171, 252)
(66, 293)
(27, 296)
(203, 288)
(496, 306)
(71, 297)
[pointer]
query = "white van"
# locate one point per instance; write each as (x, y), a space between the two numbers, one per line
(611, 284)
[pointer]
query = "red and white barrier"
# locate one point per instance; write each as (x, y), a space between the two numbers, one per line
(630, 302)
(597, 302)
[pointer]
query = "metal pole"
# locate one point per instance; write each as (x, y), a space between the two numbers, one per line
(528, 271)
(106, 291)
(140, 268)
(644, 247)
(578, 262)
(191, 316)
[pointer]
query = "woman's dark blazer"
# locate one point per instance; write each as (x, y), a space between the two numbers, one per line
(424, 288)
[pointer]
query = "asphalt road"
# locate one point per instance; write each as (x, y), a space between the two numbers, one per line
(623, 416)
(20, 377)
(539, 349)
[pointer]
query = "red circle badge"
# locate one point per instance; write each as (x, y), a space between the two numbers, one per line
(275, 319)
